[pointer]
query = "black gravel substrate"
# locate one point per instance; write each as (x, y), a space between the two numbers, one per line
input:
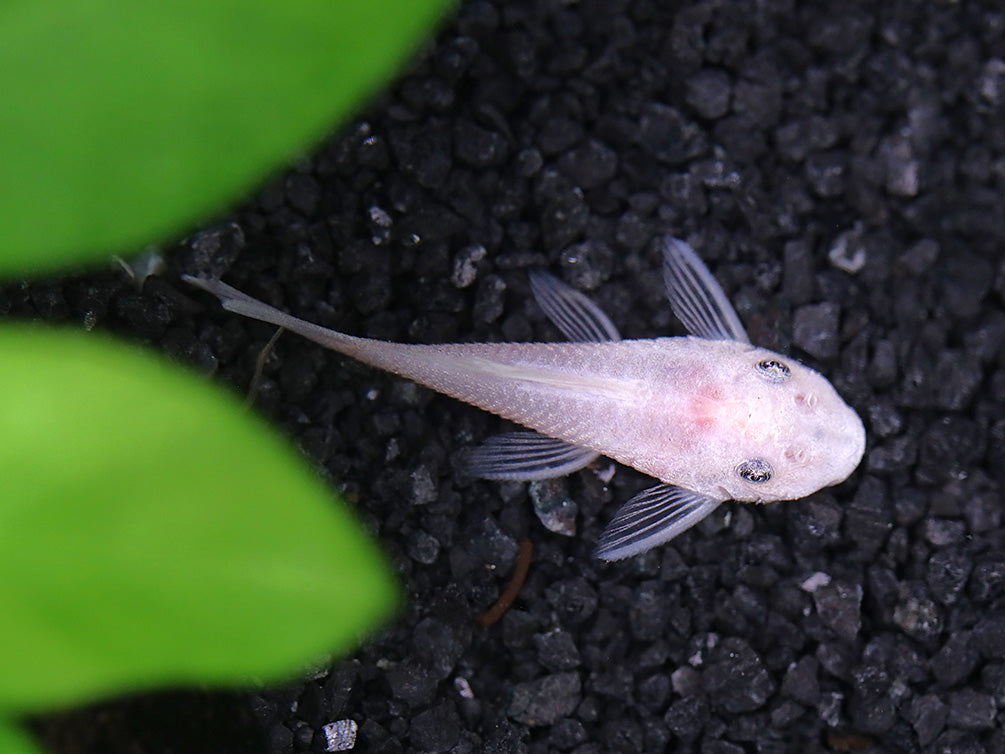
(840, 167)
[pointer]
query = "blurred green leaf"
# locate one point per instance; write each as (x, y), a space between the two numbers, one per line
(15, 741)
(126, 123)
(153, 533)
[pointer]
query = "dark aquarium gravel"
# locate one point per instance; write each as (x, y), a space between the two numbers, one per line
(841, 169)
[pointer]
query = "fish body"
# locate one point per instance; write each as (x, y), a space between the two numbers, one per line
(709, 415)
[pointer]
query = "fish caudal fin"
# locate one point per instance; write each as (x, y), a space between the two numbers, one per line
(235, 301)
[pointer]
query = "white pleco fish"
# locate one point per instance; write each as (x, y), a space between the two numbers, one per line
(711, 416)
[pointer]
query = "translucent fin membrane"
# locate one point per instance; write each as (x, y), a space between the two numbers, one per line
(651, 518)
(579, 319)
(525, 457)
(696, 298)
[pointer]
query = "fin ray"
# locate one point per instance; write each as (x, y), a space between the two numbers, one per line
(697, 299)
(652, 517)
(579, 318)
(525, 457)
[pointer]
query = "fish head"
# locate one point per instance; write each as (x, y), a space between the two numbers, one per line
(784, 430)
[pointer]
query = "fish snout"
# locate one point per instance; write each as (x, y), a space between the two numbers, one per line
(856, 440)
(837, 435)
(848, 439)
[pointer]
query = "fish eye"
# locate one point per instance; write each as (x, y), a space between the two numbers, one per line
(755, 470)
(774, 370)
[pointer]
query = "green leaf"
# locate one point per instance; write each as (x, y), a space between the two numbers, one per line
(125, 123)
(13, 740)
(152, 532)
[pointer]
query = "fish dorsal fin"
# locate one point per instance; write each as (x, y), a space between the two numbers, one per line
(697, 299)
(652, 517)
(579, 319)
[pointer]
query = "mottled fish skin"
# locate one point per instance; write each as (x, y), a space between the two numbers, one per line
(712, 417)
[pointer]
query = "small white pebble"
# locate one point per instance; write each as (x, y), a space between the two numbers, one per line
(605, 474)
(553, 506)
(466, 265)
(463, 688)
(340, 735)
(380, 217)
(848, 253)
(393, 450)
(380, 223)
(815, 581)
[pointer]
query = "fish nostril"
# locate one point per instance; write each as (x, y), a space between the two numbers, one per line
(806, 399)
(795, 455)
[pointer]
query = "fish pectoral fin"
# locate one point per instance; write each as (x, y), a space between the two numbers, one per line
(525, 457)
(579, 319)
(652, 517)
(695, 296)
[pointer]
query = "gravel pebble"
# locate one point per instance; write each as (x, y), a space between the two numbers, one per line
(839, 606)
(815, 329)
(735, 679)
(971, 710)
(708, 92)
(435, 730)
(545, 700)
(989, 636)
(928, 715)
(955, 660)
(557, 650)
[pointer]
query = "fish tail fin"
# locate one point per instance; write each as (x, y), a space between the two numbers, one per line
(241, 303)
